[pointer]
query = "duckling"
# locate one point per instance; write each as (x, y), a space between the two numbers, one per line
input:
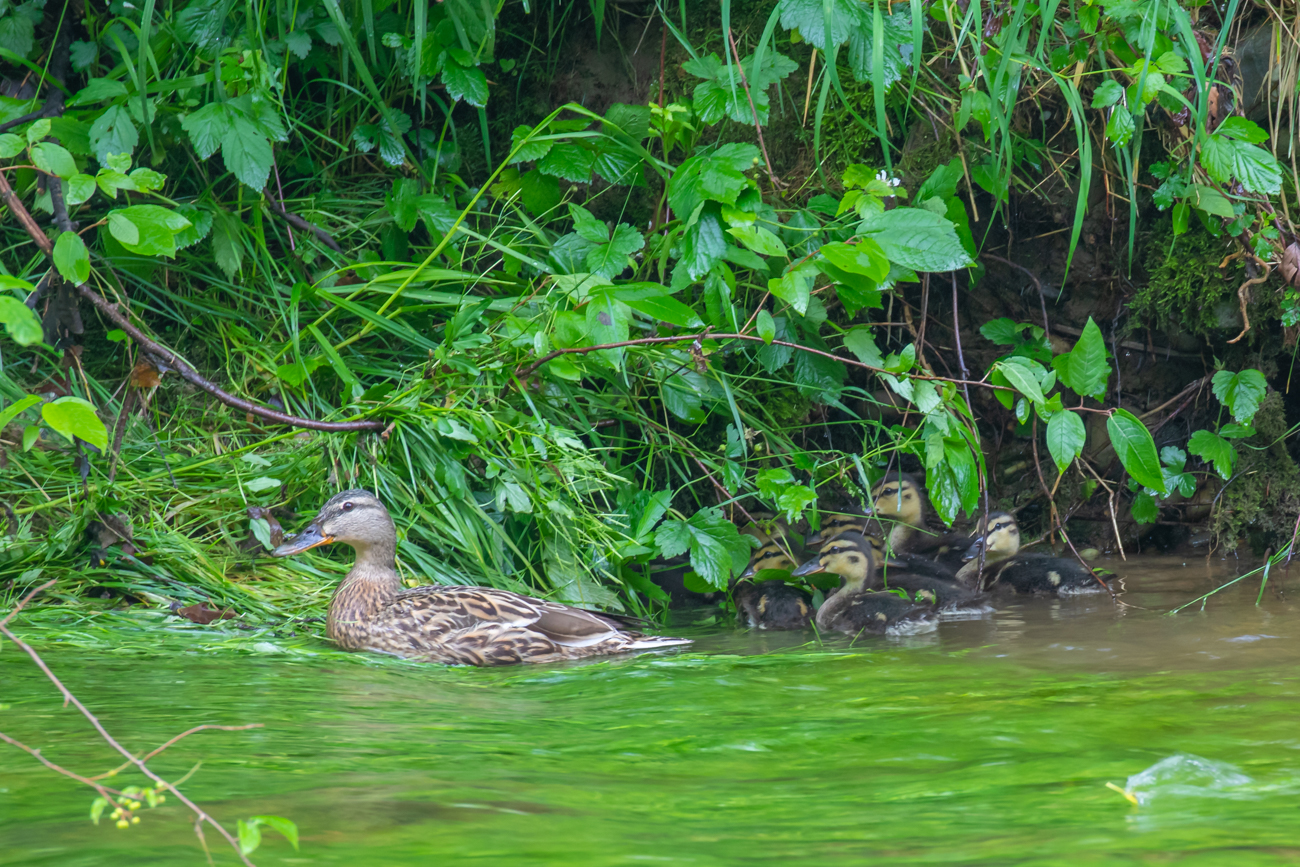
(1005, 566)
(772, 604)
(898, 498)
(452, 625)
(938, 585)
(856, 608)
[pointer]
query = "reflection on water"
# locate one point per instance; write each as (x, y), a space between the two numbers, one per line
(989, 741)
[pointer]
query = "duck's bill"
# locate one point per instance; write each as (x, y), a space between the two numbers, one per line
(973, 551)
(812, 567)
(304, 541)
(749, 572)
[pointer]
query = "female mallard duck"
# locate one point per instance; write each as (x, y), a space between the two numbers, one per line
(451, 625)
(772, 604)
(1005, 566)
(856, 608)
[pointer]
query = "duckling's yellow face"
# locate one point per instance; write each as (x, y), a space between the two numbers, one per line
(848, 555)
(1000, 541)
(898, 499)
(833, 525)
(355, 518)
(773, 555)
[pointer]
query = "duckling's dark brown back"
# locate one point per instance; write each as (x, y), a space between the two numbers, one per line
(772, 605)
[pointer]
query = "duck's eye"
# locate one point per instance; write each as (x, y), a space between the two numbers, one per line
(347, 507)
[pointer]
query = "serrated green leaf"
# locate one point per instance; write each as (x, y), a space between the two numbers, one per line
(1214, 449)
(1144, 508)
(860, 341)
(466, 83)
(1226, 159)
(918, 239)
(113, 132)
(1136, 449)
(568, 161)
(1240, 392)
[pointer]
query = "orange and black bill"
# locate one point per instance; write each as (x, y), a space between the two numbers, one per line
(304, 541)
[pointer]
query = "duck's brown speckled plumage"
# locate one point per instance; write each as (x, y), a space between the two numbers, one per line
(453, 625)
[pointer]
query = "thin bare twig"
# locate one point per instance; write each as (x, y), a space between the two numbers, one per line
(293, 219)
(758, 128)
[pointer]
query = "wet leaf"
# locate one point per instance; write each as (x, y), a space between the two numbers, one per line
(1136, 449)
(1066, 436)
(201, 614)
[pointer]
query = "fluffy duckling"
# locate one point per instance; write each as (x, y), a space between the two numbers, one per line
(371, 611)
(938, 586)
(772, 604)
(1005, 566)
(856, 608)
(899, 499)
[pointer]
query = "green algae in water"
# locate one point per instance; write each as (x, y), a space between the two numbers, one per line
(989, 742)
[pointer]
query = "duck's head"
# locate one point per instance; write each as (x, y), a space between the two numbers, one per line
(835, 524)
(898, 497)
(849, 555)
(355, 518)
(774, 555)
(1000, 539)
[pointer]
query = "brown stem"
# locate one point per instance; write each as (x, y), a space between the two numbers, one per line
(11, 199)
(293, 219)
(1243, 294)
(525, 372)
(970, 408)
(192, 376)
(754, 110)
(171, 742)
(1032, 276)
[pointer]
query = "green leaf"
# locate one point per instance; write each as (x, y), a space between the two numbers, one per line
(766, 327)
(1136, 449)
(284, 826)
(246, 151)
(1214, 449)
(611, 258)
(1240, 392)
(1241, 128)
(54, 159)
(703, 243)
(819, 377)
(20, 321)
(860, 342)
(466, 83)
(569, 161)
(1107, 93)
(918, 239)
(1066, 436)
(1120, 127)
(71, 258)
(866, 257)
(794, 286)
(38, 130)
(11, 145)
(113, 132)
(1144, 508)
(1211, 201)
(1088, 370)
(206, 128)
(759, 240)
(607, 322)
(723, 94)
(149, 230)
(80, 188)
(681, 396)
(250, 837)
(74, 417)
(665, 308)
(1022, 376)
(1226, 159)
(716, 175)
(17, 30)
(11, 412)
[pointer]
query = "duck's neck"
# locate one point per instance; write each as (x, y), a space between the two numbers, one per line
(370, 585)
(899, 534)
(832, 607)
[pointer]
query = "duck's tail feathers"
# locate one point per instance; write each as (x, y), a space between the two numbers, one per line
(650, 642)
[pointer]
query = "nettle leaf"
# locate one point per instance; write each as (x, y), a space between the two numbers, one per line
(1107, 93)
(1120, 127)
(1214, 449)
(860, 342)
(1145, 510)
(98, 90)
(113, 132)
(611, 258)
(817, 376)
(71, 258)
(17, 32)
(703, 242)
(206, 128)
(716, 175)
(246, 152)
(20, 322)
(385, 137)
(918, 239)
(1136, 449)
(201, 22)
(1066, 436)
(722, 93)
(718, 550)
(569, 161)
(682, 398)
(1227, 158)
(74, 417)
(1087, 371)
(851, 21)
(1240, 392)
(524, 150)
(466, 83)
(896, 38)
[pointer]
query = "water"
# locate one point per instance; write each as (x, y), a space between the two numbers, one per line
(987, 742)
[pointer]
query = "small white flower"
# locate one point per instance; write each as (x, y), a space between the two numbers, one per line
(883, 176)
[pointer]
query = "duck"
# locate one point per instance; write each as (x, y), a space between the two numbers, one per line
(1005, 566)
(453, 625)
(772, 604)
(856, 608)
(899, 499)
(938, 586)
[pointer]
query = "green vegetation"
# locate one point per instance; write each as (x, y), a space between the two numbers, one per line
(566, 339)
